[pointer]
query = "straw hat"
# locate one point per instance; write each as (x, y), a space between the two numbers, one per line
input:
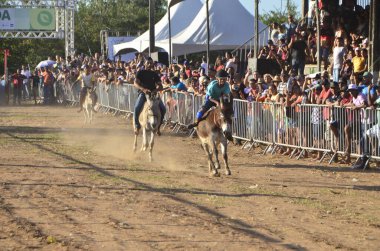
(276, 79)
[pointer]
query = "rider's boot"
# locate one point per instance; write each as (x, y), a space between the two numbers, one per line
(191, 126)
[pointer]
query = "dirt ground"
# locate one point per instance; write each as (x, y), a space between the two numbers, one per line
(65, 186)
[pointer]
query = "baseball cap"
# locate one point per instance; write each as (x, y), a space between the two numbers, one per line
(222, 74)
(367, 75)
(352, 87)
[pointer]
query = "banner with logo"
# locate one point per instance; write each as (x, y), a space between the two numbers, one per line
(27, 19)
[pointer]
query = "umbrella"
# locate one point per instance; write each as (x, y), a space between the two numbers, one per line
(45, 63)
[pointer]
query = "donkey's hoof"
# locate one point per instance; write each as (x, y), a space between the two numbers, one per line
(228, 172)
(215, 174)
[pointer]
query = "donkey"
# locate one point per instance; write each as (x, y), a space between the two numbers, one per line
(214, 129)
(150, 119)
(88, 105)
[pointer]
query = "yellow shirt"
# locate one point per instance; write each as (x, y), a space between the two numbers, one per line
(359, 64)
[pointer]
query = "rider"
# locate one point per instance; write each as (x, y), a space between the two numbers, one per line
(88, 82)
(215, 90)
(146, 81)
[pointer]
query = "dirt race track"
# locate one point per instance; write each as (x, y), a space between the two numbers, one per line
(64, 186)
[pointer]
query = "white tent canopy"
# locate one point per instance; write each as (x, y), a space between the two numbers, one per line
(182, 14)
(231, 25)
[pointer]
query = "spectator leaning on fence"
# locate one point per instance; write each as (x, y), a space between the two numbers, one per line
(358, 102)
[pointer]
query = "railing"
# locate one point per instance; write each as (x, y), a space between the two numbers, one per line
(325, 129)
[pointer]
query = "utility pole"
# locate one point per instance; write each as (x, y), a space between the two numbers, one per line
(152, 35)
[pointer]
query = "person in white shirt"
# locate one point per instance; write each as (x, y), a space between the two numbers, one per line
(338, 56)
(204, 65)
(25, 83)
(275, 33)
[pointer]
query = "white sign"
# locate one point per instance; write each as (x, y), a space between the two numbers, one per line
(7, 19)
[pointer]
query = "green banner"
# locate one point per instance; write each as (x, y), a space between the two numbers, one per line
(27, 19)
(42, 19)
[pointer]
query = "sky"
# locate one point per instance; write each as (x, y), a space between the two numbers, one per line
(267, 5)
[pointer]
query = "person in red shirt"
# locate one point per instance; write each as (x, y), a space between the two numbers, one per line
(17, 80)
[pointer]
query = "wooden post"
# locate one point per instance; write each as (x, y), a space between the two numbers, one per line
(152, 35)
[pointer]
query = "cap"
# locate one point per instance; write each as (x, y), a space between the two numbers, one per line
(357, 49)
(222, 74)
(367, 75)
(276, 79)
(352, 87)
(120, 78)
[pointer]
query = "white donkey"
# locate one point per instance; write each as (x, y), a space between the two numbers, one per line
(150, 118)
(88, 105)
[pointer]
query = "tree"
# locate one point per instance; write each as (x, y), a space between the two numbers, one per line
(91, 17)
(279, 16)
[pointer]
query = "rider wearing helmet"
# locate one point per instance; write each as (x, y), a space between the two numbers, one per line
(215, 90)
(87, 82)
(146, 81)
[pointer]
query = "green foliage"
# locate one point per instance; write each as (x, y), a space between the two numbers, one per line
(92, 16)
(279, 16)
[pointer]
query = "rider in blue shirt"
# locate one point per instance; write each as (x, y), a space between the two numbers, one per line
(215, 90)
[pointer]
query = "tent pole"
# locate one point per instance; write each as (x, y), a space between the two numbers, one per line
(151, 26)
(170, 37)
(208, 33)
(256, 41)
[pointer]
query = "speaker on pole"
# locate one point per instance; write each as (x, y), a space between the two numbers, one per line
(161, 57)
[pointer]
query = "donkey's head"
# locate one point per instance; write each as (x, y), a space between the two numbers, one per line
(226, 106)
(153, 111)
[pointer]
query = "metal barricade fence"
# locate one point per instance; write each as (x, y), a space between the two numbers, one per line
(327, 129)
(314, 127)
(242, 120)
(171, 101)
(185, 108)
(372, 133)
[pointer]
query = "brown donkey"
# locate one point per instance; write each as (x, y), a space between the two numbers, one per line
(214, 129)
